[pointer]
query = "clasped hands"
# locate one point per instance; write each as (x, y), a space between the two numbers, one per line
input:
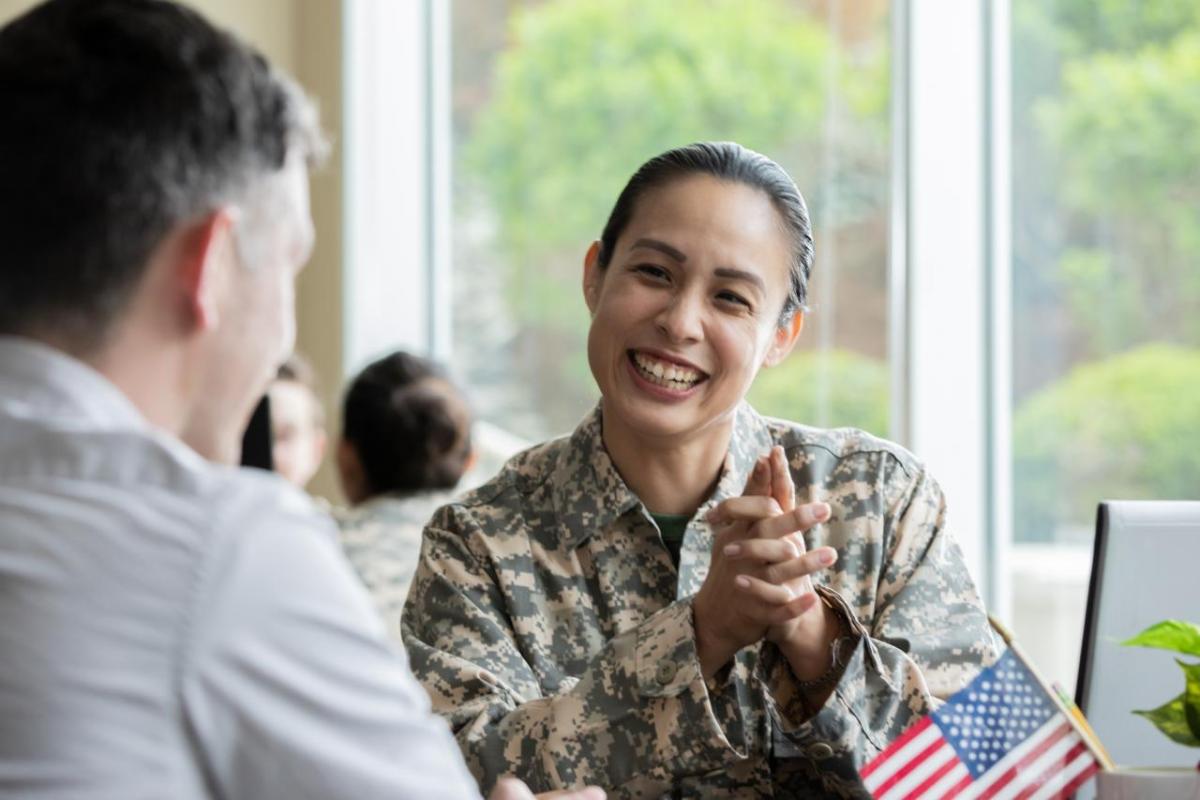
(759, 583)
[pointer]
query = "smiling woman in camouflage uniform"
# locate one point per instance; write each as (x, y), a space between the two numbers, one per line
(683, 598)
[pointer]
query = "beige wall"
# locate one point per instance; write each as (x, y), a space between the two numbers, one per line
(10, 8)
(303, 37)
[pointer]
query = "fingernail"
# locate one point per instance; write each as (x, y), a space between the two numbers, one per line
(732, 549)
(822, 512)
(795, 551)
(742, 581)
(827, 557)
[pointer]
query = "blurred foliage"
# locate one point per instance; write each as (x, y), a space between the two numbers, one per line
(1126, 129)
(1106, 95)
(1126, 126)
(1121, 428)
(623, 80)
(1079, 27)
(856, 390)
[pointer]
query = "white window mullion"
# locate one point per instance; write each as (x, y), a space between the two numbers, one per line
(946, 292)
(439, 179)
(999, 287)
(387, 182)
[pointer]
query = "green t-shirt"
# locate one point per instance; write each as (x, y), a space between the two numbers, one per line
(672, 527)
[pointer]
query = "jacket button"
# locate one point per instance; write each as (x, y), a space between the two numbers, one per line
(820, 751)
(666, 671)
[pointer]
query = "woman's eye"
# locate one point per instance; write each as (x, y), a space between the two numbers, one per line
(651, 271)
(733, 297)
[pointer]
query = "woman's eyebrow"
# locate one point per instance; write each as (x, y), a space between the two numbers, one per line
(662, 247)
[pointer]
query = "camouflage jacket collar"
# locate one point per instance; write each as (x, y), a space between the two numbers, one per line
(589, 493)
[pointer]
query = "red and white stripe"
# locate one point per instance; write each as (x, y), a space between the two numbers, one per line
(921, 764)
(1052, 763)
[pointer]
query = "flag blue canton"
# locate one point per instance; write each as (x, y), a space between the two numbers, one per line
(1001, 708)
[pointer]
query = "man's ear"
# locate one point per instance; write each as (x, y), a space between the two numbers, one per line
(206, 253)
(784, 339)
(593, 276)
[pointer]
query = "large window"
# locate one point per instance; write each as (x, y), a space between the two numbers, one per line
(1105, 287)
(555, 103)
(1007, 213)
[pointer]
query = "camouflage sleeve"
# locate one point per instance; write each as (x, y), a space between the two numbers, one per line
(928, 637)
(640, 710)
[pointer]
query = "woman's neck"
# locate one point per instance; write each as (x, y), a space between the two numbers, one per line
(671, 475)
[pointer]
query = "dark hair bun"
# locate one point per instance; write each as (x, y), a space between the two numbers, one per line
(408, 424)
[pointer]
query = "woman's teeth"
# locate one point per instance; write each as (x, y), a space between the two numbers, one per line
(666, 374)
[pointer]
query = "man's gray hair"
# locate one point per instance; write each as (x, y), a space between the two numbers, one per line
(123, 119)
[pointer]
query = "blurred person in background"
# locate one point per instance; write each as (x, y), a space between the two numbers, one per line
(297, 421)
(406, 443)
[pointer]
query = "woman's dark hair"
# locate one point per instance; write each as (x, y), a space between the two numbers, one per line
(408, 424)
(726, 161)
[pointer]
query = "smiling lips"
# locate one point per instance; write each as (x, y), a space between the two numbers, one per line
(667, 374)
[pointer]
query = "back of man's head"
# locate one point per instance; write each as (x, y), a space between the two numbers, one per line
(122, 119)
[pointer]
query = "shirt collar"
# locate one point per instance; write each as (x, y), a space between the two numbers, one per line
(41, 382)
(589, 493)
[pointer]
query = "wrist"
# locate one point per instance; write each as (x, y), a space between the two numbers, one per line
(810, 649)
(713, 650)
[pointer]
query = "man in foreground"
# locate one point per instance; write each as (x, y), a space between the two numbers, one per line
(168, 627)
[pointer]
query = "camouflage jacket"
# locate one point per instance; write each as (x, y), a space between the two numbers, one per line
(553, 632)
(382, 541)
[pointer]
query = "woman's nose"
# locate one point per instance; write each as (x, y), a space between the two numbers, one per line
(681, 320)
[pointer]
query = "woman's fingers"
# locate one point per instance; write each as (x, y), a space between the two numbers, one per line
(807, 564)
(765, 550)
(778, 560)
(782, 488)
(798, 520)
(780, 602)
(759, 482)
(744, 509)
(773, 594)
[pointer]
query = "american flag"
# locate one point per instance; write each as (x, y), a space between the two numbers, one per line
(1001, 737)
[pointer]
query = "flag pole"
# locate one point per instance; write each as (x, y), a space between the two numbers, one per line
(1074, 716)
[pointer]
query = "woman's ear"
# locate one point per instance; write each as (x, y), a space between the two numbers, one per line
(593, 276)
(784, 339)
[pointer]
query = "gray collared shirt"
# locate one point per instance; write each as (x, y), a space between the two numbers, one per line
(170, 628)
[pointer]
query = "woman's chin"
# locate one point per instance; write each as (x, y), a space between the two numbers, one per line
(648, 418)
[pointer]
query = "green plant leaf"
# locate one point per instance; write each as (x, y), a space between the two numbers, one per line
(1171, 634)
(1171, 719)
(1191, 702)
